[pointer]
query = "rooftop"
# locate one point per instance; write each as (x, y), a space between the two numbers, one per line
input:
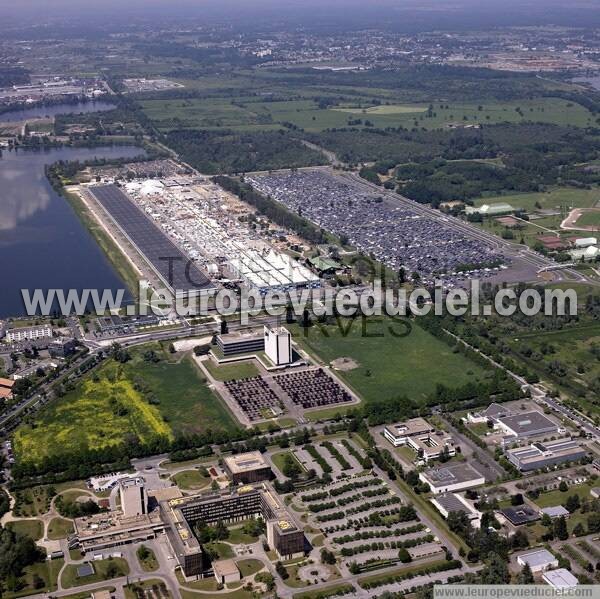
(541, 557)
(528, 423)
(449, 475)
(245, 462)
(560, 578)
(414, 426)
(520, 515)
(6, 382)
(224, 567)
(555, 511)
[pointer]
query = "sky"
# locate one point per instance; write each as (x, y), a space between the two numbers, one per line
(399, 14)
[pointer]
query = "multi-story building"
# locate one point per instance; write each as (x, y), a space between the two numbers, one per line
(278, 345)
(527, 424)
(231, 344)
(446, 479)
(19, 334)
(421, 437)
(134, 500)
(180, 515)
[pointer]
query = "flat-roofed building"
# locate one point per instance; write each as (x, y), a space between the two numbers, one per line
(278, 345)
(397, 434)
(556, 512)
(447, 503)
(226, 571)
(560, 578)
(527, 424)
(134, 500)
(231, 344)
(19, 334)
(458, 477)
(247, 468)
(542, 455)
(180, 516)
(539, 561)
(518, 515)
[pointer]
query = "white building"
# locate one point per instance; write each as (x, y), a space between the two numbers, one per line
(278, 345)
(421, 437)
(28, 333)
(584, 242)
(445, 479)
(560, 578)
(539, 561)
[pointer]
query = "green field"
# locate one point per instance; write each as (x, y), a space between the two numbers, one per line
(70, 579)
(245, 113)
(47, 570)
(191, 480)
(31, 528)
(59, 528)
(140, 398)
(589, 219)
(229, 372)
(390, 366)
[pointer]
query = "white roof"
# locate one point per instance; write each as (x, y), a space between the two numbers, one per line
(556, 511)
(560, 578)
(542, 557)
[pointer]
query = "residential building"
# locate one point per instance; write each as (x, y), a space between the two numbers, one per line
(63, 347)
(6, 388)
(31, 333)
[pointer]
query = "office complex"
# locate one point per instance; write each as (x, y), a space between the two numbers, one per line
(541, 455)
(278, 345)
(247, 468)
(445, 479)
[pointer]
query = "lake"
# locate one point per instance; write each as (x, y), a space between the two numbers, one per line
(43, 244)
(52, 110)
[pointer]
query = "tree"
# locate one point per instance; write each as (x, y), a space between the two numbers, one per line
(572, 503)
(563, 487)
(579, 530)
(221, 531)
(281, 570)
(525, 576)
(516, 499)
(404, 556)
(496, 571)
(560, 528)
(593, 523)
(327, 557)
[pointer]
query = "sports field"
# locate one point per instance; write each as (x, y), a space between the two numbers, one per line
(387, 365)
(139, 398)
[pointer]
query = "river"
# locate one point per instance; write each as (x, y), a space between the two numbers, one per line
(43, 244)
(51, 110)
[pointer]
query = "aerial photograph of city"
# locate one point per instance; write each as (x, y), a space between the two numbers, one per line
(300, 299)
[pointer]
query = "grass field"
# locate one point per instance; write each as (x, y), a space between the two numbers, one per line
(553, 498)
(390, 366)
(279, 459)
(229, 372)
(59, 528)
(70, 579)
(191, 480)
(247, 567)
(47, 570)
(31, 528)
(140, 398)
(245, 113)
(589, 219)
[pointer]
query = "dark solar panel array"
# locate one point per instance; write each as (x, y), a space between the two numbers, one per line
(167, 259)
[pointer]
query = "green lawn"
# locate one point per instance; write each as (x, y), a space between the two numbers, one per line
(223, 549)
(388, 365)
(59, 528)
(33, 501)
(554, 198)
(279, 459)
(247, 567)
(47, 570)
(115, 401)
(553, 498)
(191, 480)
(149, 563)
(250, 114)
(589, 219)
(31, 528)
(237, 536)
(230, 372)
(101, 572)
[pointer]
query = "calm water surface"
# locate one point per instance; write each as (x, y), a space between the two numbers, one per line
(52, 110)
(43, 244)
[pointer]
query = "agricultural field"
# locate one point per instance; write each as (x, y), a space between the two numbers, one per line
(115, 402)
(388, 366)
(246, 113)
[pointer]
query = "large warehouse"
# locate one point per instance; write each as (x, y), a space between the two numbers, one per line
(541, 455)
(173, 267)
